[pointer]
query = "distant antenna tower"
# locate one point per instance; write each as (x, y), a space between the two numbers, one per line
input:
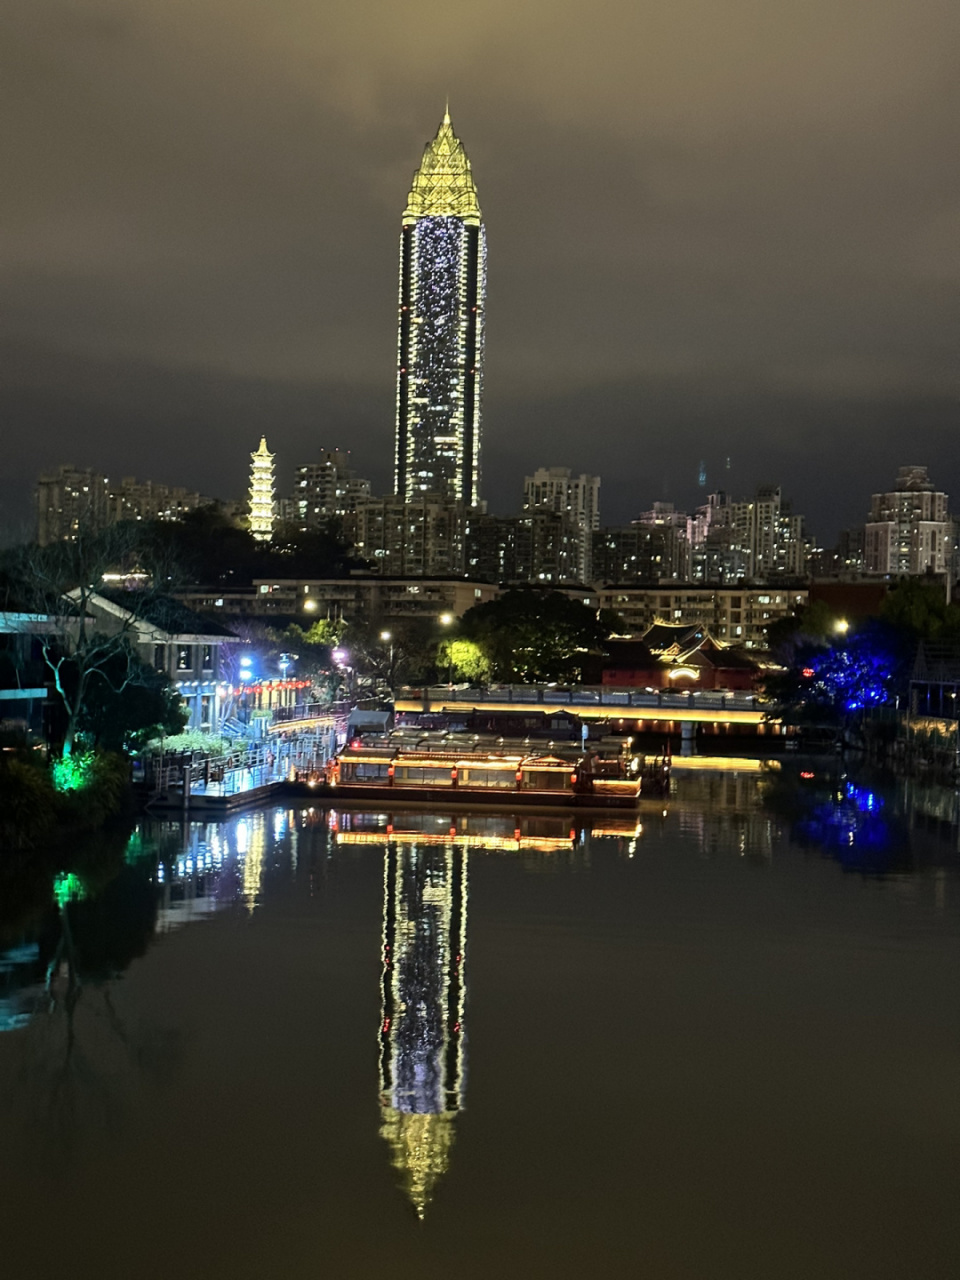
(702, 477)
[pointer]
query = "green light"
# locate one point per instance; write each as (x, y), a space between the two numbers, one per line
(138, 848)
(67, 888)
(71, 773)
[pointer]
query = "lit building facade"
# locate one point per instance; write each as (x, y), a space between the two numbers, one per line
(262, 493)
(576, 497)
(326, 490)
(542, 547)
(71, 500)
(734, 615)
(440, 349)
(909, 530)
(422, 536)
(422, 1054)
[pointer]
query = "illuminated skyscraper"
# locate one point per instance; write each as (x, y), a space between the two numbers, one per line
(262, 497)
(421, 1032)
(440, 351)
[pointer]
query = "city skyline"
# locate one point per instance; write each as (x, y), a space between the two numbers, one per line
(762, 269)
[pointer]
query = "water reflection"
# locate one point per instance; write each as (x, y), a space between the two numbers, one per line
(724, 813)
(422, 1036)
(423, 985)
(88, 924)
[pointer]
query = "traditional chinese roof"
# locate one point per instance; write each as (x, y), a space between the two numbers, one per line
(674, 639)
(443, 186)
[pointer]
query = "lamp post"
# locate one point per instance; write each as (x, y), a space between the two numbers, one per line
(446, 620)
(341, 660)
(387, 638)
(246, 675)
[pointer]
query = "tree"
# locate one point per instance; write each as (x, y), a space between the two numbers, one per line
(919, 607)
(533, 636)
(127, 703)
(463, 660)
(812, 624)
(60, 582)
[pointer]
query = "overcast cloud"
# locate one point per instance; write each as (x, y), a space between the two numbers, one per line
(718, 229)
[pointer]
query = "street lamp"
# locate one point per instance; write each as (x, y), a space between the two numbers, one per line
(387, 638)
(445, 620)
(841, 626)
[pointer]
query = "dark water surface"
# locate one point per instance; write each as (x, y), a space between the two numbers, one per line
(305, 1043)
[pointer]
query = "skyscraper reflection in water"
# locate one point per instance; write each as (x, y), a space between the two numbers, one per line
(422, 1048)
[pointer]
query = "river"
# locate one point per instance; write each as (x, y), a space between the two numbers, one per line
(721, 1039)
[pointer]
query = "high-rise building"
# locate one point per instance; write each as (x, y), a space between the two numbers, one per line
(440, 350)
(421, 538)
(909, 530)
(326, 489)
(72, 500)
(262, 496)
(576, 497)
(757, 539)
(635, 553)
(538, 547)
(133, 500)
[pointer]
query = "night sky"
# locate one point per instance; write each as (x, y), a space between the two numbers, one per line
(717, 229)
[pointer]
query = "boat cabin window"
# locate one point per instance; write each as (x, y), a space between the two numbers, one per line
(502, 778)
(547, 780)
(352, 771)
(437, 775)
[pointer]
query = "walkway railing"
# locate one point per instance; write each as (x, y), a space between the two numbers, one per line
(188, 774)
(584, 696)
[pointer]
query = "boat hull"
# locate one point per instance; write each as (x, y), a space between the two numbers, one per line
(462, 796)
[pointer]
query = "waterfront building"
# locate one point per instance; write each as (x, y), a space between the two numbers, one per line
(262, 493)
(576, 497)
(441, 321)
(326, 490)
(909, 530)
(423, 993)
(673, 656)
(172, 638)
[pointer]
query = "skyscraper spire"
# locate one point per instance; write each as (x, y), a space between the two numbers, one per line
(441, 318)
(443, 186)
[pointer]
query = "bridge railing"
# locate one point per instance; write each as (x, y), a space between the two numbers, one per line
(586, 695)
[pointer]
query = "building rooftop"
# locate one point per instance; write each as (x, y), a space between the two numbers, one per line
(443, 186)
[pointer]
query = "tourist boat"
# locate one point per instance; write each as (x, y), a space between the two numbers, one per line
(575, 779)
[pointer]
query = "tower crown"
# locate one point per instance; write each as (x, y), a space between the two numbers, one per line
(443, 186)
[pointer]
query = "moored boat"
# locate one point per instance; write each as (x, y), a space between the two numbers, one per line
(578, 779)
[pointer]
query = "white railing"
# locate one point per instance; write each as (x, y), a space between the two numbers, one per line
(586, 695)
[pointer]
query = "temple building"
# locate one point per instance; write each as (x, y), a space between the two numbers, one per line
(441, 316)
(422, 1054)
